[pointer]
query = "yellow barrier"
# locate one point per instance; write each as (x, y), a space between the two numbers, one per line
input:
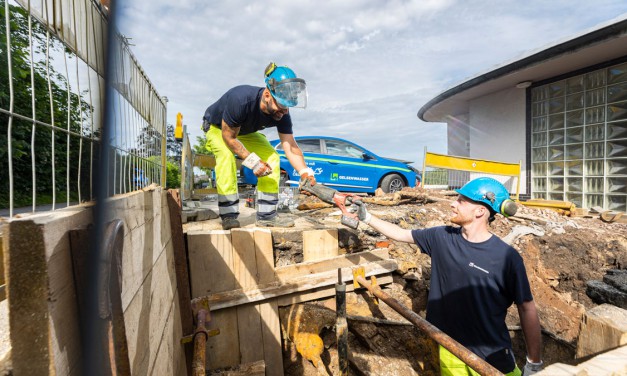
(449, 162)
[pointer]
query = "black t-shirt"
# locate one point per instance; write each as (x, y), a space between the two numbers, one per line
(472, 286)
(239, 107)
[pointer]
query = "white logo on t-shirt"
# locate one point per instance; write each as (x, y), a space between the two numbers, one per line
(472, 265)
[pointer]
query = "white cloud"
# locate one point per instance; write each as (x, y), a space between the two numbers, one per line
(369, 64)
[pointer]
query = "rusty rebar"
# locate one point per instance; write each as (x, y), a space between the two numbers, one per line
(341, 326)
(200, 344)
(467, 356)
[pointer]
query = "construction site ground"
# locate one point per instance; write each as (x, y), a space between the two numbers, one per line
(561, 254)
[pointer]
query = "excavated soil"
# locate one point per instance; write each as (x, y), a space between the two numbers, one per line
(561, 255)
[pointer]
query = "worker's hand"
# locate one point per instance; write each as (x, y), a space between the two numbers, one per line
(362, 212)
(306, 177)
(261, 168)
(531, 368)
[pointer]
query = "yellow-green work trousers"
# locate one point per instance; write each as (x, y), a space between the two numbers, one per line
(226, 173)
(450, 365)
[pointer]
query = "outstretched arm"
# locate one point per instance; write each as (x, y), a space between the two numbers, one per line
(292, 151)
(388, 229)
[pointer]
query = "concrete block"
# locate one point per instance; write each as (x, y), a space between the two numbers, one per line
(603, 327)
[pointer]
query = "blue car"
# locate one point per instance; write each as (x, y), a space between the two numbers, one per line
(345, 166)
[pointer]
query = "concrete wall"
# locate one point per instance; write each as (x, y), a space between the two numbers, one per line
(44, 319)
(497, 128)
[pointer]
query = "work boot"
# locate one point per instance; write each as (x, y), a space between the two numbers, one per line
(275, 222)
(229, 223)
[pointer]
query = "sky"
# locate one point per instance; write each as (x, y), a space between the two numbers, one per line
(370, 65)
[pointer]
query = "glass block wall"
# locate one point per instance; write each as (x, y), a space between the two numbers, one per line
(579, 139)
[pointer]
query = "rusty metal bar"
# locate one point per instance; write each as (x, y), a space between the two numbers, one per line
(200, 343)
(341, 326)
(467, 356)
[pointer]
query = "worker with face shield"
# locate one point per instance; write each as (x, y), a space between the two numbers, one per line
(232, 126)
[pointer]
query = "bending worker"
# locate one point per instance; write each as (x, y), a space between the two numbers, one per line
(232, 126)
(475, 278)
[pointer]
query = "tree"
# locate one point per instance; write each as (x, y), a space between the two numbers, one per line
(173, 146)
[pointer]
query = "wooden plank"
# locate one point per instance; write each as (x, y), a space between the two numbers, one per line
(249, 331)
(246, 276)
(223, 349)
(237, 297)
(249, 369)
(269, 311)
(289, 272)
(265, 256)
(271, 333)
(324, 292)
(182, 273)
(244, 258)
(210, 262)
(320, 244)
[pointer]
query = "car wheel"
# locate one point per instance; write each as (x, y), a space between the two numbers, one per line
(392, 183)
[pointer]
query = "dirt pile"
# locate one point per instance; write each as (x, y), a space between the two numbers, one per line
(561, 254)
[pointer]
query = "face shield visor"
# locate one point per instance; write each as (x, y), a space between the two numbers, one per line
(291, 92)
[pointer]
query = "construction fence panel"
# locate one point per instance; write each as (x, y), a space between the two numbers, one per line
(441, 171)
(52, 93)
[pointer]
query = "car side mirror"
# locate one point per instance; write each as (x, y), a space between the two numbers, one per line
(367, 156)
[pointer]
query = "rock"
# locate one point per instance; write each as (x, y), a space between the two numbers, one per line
(601, 292)
(616, 278)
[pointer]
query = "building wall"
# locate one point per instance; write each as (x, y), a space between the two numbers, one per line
(458, 136)
(497, 128)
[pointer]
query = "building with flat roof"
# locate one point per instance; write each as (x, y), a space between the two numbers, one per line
(561, 110)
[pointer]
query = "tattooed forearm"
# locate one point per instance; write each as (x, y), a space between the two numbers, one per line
(229, 134)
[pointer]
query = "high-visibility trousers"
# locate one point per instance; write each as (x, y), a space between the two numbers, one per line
(450, 365)
(226, 173)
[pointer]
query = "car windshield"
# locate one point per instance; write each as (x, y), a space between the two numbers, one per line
(343, 149)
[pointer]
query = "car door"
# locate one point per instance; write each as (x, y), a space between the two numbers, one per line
(348, 170)
(312, 151)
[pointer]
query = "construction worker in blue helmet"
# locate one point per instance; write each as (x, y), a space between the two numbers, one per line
(475, 278)
(232, 126)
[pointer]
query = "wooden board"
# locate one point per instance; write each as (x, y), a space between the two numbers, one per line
(324, 292)
(210, 262)
(223, 349)
(289, 272)
(320, 244)
(246, 277)
(237, 297)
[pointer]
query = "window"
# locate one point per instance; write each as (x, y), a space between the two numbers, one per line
(579, 139)
(343, 149)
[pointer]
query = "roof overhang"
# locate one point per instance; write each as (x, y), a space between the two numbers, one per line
(605, 43)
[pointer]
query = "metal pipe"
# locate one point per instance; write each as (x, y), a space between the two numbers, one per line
(341, 326)
(467, 356)
(200, 343)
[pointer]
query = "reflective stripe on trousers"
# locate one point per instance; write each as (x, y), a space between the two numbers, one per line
(226, 173)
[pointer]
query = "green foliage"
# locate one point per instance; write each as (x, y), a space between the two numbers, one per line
(172, 174)
(51, 102)
(201, 145)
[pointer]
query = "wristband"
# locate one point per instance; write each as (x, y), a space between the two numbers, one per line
(251, 161)
(534, 365)
(307, 170)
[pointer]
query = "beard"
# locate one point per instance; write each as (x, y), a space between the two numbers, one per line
(275, 114)
(460, 219)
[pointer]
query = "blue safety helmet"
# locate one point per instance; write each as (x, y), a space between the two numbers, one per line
(287, 89)
(490, 193)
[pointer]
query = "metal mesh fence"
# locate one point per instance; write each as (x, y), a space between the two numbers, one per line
(51, 101)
